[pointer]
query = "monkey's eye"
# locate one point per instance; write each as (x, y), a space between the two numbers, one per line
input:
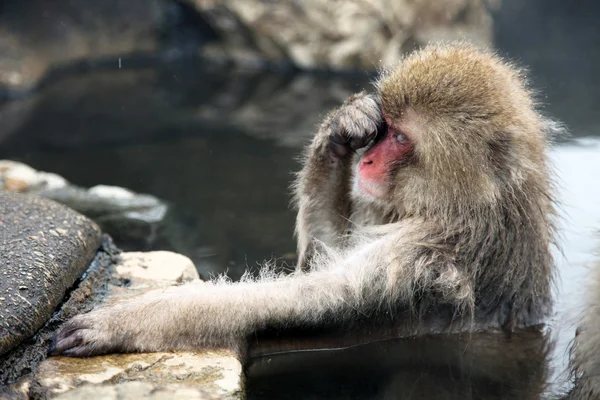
(401, 138)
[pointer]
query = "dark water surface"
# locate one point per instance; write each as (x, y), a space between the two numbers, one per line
(220, 147)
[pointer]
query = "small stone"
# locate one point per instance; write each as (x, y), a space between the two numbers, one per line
(20, 174)
(157, 266)
(113, 192)
(6, 165)
(15, 185)
(19, 177)
(52, 181)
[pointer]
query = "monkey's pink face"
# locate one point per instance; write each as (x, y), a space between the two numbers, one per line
(378, 165)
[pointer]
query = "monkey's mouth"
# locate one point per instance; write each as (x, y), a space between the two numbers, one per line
(370, 189)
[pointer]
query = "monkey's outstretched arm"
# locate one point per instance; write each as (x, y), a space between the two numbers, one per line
(222, 314)
(324, 184)
(358, 284)
(217, 316)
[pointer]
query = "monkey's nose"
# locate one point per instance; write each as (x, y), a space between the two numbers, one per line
(367, 161)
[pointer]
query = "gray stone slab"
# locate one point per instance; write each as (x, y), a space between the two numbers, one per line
(44, 249)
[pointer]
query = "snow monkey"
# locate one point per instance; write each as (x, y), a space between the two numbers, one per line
(427, 206)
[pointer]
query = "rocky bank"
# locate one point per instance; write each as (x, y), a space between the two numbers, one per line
(55, 264)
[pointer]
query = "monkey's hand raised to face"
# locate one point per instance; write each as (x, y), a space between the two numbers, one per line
(323, 187)
(354, 125)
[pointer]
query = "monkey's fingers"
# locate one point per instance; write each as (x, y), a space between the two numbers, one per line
(78, 337)
(339, 146)
(84, 350)
(358, 142)
(344, 144)
(66, 340)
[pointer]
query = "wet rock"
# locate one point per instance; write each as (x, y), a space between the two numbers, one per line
(157, 266)
(108, 202)
(339, 34)
(44, 249)
(139, 390)
(18, 177)
(194, 375)
(142, 273)
(127, 216)
(91, 286)
(201, 375)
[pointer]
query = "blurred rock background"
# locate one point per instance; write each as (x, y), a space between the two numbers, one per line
(39, 38)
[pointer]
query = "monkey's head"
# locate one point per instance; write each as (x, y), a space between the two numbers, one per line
(461, 132)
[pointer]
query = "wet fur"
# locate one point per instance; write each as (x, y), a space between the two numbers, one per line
(461, 244)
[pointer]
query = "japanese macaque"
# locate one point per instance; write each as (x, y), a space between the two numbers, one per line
(426, 206)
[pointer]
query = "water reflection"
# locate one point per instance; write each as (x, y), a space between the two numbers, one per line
(470, 366)
(220, 147)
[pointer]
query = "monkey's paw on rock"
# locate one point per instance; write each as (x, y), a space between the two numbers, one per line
(99, 331)
(189, 375)
(88, 335)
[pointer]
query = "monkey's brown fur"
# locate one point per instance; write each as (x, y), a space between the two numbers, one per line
(478, 192)
(462, 241)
